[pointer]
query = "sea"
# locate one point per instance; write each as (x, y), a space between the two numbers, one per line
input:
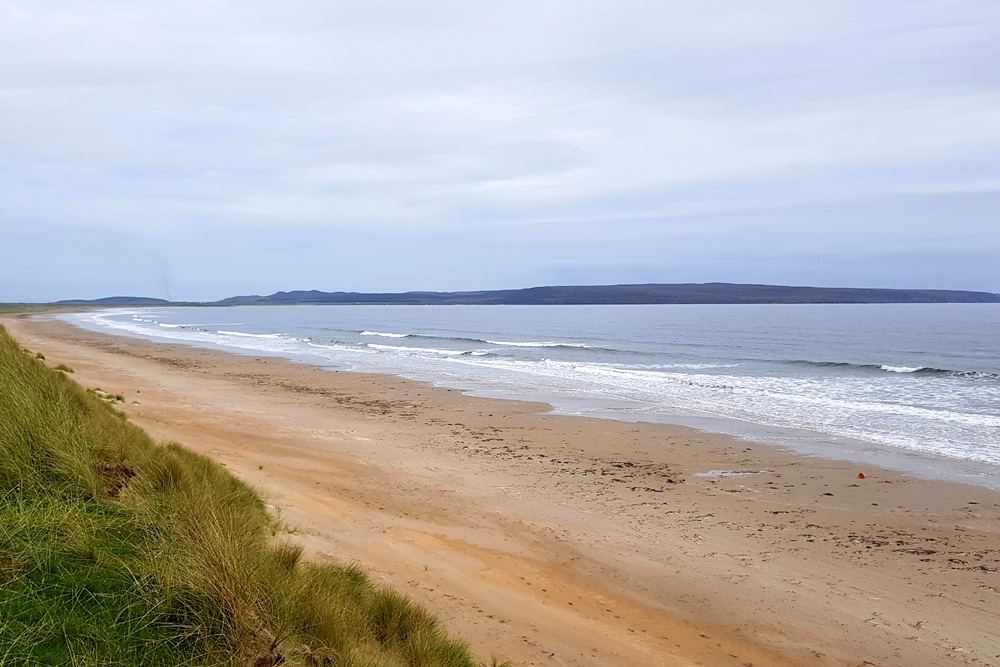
(909, 387)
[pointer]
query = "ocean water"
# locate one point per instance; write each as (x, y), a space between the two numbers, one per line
(914, 387)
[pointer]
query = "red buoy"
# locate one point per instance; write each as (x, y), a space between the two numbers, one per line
(861, 475)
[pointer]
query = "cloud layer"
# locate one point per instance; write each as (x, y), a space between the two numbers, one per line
(203, 149)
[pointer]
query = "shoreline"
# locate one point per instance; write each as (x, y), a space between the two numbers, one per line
(798, 440)
(572, 540)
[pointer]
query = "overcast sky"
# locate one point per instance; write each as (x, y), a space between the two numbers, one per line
(197, 150)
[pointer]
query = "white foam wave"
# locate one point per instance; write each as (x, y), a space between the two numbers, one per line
(902, 369)
(849, 409)
(691, 367)
(415, 350)
(533, 343)
(384, 334)
(247, 335)
(339, 348)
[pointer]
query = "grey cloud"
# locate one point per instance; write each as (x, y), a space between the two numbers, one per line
(464, 145)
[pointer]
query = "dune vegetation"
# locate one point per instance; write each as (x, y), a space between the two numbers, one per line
(117, 550)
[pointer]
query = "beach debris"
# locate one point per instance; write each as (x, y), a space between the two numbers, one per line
(861, 475)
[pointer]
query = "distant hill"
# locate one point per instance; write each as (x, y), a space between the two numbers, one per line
(115, 301)
(691, 293)
(652, 293)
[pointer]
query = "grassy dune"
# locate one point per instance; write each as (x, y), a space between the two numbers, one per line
(116, 550)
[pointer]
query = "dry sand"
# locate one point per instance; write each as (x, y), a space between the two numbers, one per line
(567, 541)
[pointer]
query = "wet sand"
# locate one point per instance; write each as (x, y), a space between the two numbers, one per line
(557, 540)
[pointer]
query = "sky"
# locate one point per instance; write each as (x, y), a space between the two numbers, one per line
(199, 150)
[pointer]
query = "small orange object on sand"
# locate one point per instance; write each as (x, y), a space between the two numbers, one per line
(861, 475)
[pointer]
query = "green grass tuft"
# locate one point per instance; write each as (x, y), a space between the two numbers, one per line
(116, 550)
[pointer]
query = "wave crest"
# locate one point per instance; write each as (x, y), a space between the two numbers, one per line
(906, 370)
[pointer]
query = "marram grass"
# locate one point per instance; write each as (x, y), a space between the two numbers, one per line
(115, 550)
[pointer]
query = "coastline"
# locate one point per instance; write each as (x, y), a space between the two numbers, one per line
(577, 541)
(896, 424)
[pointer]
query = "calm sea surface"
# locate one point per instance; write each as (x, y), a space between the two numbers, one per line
(913, 387)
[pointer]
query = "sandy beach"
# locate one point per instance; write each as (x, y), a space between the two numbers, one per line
(555, 540)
